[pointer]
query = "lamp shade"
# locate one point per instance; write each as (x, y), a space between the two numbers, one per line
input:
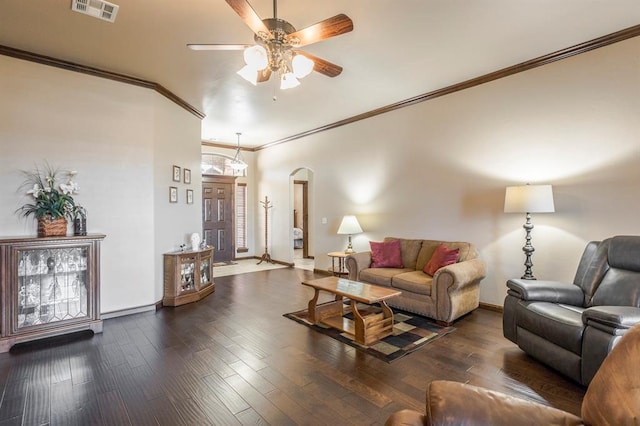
(349, 226)
(529, 199)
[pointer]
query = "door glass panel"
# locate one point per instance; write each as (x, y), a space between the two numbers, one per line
(217, 164)
(221, 214)
(221, 240)
(208, 238)
(207, 210)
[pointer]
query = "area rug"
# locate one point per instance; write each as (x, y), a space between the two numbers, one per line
(224, 263)
(410, 333)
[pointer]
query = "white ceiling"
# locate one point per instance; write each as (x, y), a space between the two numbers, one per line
(398, 49)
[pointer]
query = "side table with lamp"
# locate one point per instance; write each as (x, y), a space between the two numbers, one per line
(340, 270)
(348, 226)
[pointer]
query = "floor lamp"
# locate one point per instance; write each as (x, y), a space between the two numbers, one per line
(349, 226)
(528, 199)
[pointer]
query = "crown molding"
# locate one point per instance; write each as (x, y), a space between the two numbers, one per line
(71, 66)
(227, 146)
(559, 55)
(505, 72)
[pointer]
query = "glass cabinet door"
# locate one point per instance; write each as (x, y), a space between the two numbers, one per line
(205, 271)
(51, 285)
(187, 274)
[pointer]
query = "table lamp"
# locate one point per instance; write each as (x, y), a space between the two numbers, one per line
(349, 226)
(528, 199)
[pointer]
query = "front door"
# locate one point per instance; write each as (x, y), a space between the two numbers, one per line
(218, 217)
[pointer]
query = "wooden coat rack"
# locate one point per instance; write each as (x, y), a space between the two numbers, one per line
(266, 257)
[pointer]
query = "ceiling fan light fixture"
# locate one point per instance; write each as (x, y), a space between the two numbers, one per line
(302, 66)
(249, 74)
(277, 41)
(256, 57)
(288, 81)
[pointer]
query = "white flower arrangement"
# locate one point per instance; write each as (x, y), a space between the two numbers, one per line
(49, 199)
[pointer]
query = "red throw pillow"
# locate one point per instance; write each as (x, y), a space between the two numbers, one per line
(443, 256)
(386, 255)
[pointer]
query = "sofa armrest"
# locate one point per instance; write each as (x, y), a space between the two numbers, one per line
(459, 275)
(546, 291)
(611, 319)
(406, 418)
(452, 403)
(356, 262)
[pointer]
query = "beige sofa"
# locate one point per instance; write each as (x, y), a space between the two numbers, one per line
(453, 291)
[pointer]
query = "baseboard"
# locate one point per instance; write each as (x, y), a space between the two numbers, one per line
(490, 307)
(130, 311)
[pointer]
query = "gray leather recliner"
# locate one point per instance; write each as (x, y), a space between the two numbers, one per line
(572, 327)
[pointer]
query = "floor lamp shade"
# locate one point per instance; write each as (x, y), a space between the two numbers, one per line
(528, 199)
(349, 226)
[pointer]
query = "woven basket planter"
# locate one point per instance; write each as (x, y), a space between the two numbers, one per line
(52, 228)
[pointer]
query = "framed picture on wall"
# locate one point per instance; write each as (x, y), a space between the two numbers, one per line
(187, 176)
(189, 196)
(173, 194)
(176, 173)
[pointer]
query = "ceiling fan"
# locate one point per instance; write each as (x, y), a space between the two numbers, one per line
(277, 46)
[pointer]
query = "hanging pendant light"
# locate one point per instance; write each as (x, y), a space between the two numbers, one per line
(238, 163)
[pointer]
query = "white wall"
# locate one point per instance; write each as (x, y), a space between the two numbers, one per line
(439, 169)
(434, 170)
(176, 142)
(122, 140)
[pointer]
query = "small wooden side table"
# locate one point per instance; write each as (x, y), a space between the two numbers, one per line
(340, 270)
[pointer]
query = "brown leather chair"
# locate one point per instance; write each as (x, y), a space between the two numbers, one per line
(612, 398)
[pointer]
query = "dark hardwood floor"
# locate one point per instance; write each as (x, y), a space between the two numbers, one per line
(232, 358)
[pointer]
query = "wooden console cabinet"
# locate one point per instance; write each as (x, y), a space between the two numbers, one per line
(48, 287)
(188, 276)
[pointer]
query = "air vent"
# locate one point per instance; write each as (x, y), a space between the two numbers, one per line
(97, 8)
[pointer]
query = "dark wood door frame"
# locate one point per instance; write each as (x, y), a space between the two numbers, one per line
(305, 216)
(231, 181)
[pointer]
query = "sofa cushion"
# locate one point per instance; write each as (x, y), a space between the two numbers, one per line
(409, 250)
(380, 276)
(386, 254)
(467, 252)
(560, 324)
(442, 256)
(414, 281)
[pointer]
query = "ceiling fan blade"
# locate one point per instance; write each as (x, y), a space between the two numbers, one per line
(322, 66)
(331, 27)
(264, 75)
(218, 46)
(249, 16)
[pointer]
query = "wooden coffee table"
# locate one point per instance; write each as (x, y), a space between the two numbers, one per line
(365, 329)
